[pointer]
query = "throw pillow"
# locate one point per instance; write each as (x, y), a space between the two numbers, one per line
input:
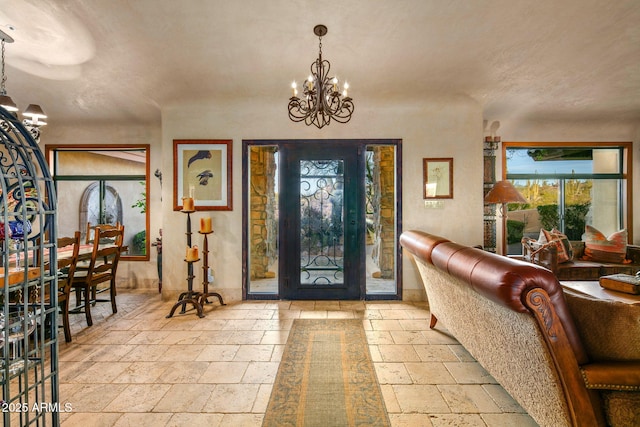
(603, 249)
(565, 242)
(565, 252)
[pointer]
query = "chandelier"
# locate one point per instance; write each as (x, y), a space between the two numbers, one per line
(322, 99)
(34, 114)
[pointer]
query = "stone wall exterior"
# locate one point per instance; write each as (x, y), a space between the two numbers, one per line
(263, 222)
(384, 216)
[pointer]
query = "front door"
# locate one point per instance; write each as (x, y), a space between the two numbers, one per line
(322, 221)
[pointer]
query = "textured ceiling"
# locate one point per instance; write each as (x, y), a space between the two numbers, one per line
(122, 60)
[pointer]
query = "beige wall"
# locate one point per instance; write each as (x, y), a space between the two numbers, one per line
(450, 127)
(445, 127)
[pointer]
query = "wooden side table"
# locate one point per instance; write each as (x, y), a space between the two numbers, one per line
(593, 289)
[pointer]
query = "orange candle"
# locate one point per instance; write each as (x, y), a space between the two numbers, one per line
(187, 204)
(205, 225)
(192, 253)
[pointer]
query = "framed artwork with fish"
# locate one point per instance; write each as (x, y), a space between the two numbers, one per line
(202, 171)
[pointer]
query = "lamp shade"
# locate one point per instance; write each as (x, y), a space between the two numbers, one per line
(34, 111)
(7, 103)
(504, 192)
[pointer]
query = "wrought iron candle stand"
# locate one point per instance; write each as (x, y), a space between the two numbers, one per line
(205, 273)
(190, 297)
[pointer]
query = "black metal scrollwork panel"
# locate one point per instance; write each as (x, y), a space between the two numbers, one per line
(24, 195)
(321, 222)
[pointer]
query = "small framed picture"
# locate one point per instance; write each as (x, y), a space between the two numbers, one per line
(438, 178)
(202, 171)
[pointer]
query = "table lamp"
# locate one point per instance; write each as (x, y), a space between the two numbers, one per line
(501, 193)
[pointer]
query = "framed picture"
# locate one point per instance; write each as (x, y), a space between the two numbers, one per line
(202, 170)
(438, 178)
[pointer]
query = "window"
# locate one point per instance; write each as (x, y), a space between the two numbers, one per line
(103, 185)
(567, 185)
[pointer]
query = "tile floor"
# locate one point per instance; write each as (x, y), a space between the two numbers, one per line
(139, 368)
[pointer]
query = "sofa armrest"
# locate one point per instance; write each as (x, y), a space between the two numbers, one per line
(621, 376)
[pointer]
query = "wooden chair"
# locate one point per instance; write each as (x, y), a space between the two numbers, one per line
(102, 268)
(66, 272)
(91, 229)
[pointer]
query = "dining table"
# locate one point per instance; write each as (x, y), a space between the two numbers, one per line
(17, 274)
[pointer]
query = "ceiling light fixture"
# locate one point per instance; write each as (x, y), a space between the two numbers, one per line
(34, 112)
(322, 98)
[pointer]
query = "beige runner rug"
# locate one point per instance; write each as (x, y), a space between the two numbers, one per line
(326, 378)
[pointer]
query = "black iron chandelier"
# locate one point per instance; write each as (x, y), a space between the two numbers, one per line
(322, 99)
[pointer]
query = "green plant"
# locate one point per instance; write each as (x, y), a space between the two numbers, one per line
(140, 242)
(549, 217)
(575, 220)
(141, 203)
(514, 231)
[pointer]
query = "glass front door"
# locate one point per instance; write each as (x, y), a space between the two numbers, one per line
(323, 202)
(322, 219)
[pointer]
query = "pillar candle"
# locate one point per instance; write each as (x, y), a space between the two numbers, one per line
(192, 253)
(205, 225)
(187, 204)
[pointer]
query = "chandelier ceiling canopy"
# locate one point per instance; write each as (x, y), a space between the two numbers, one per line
(322, 98)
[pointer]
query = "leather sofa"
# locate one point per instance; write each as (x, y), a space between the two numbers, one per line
(512, 316)
(578, 268)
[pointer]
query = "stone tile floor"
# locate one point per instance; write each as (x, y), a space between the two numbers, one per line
(139, 368)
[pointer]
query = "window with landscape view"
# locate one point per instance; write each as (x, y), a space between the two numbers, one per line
(567, 185)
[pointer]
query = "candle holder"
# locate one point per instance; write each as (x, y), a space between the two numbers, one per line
(190, 296)
(205, 273)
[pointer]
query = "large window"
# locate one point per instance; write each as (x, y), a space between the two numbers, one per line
(103, 185)
(567, 185)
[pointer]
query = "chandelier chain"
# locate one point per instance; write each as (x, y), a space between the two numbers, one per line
(3, 91)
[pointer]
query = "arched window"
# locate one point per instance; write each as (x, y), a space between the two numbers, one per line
(100, 204)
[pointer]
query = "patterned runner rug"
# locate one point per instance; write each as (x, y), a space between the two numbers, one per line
(326, 378)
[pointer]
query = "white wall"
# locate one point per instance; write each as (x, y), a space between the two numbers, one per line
(449, 127)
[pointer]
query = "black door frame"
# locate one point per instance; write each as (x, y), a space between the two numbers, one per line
(363, 143)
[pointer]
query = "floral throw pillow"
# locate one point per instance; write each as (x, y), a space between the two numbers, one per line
(597, 247)
(565, 251)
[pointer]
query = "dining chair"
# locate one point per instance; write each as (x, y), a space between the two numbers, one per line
(91, 229)
(66, 271)
(102, 269)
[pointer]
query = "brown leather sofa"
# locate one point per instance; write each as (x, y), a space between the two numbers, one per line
(512, 316)
(578, 268)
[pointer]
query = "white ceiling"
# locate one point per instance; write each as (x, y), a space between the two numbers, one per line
(123, 61)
